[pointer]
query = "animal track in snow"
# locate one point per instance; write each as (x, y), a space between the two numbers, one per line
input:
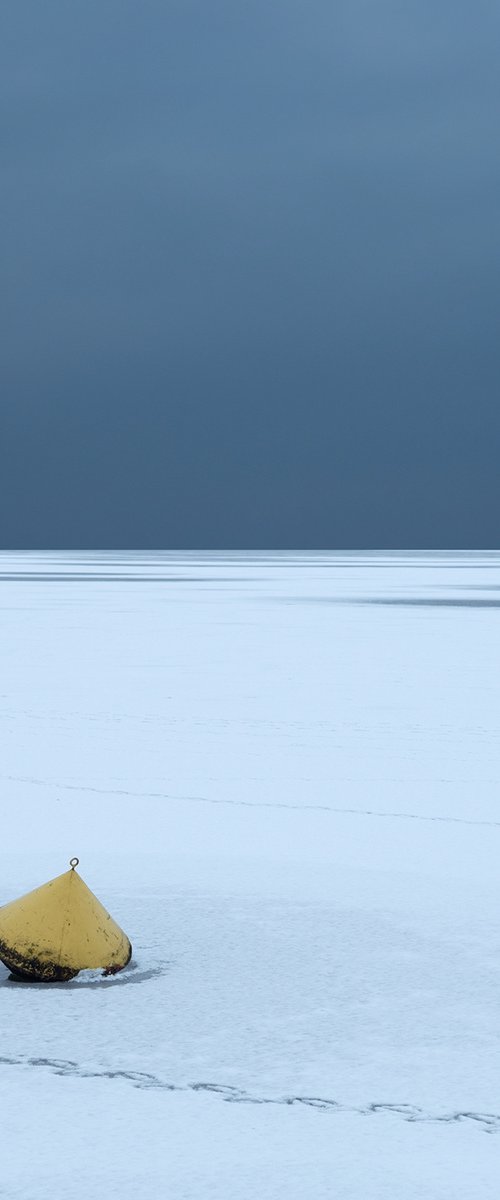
(412, 1113)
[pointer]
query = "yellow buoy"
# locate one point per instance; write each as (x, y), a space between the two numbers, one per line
(60, 929)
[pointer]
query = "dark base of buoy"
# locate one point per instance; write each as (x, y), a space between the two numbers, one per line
(60, 976)
(33, 970)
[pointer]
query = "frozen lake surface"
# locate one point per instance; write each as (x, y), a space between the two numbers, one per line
(281, 775)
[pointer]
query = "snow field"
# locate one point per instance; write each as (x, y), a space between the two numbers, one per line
(280, 774)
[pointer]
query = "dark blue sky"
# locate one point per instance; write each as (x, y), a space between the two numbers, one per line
(250, 273)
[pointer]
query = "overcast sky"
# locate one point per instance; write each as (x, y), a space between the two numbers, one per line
(250, 261)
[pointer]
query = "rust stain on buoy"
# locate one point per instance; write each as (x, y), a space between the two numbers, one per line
(59, 929)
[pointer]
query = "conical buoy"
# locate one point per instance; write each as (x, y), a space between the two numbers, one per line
(59, 929)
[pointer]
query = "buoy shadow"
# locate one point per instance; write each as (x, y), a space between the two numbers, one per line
(132, 974)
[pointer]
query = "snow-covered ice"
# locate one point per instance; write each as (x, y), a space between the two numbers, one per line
(280, 773)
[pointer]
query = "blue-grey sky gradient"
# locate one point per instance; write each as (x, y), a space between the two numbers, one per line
(250, 273)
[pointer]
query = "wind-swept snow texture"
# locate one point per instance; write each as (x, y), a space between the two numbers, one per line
(281, 775)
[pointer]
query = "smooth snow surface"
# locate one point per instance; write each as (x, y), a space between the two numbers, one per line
(281, 775)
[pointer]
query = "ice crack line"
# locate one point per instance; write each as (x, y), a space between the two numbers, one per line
(488, 1122)
(357, 812)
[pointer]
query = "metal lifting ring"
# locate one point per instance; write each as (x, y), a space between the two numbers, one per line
(73, 862)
